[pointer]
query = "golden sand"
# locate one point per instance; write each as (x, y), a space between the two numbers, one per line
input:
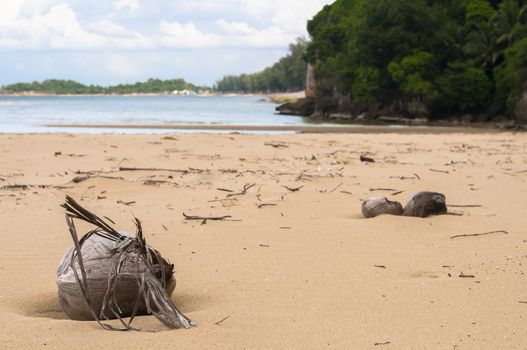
(292, 270)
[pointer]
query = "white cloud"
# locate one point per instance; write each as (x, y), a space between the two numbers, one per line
(235, 27)
(289, 15)
(132, 5)
(55, 24)
(105, 27)
(186, 35)
(58, 28)
(10, 12)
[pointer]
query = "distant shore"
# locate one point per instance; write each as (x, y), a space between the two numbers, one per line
(273, 97)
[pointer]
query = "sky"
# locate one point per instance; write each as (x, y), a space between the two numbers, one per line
(118, 41)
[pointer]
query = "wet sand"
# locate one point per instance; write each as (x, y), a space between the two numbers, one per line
(300, 128)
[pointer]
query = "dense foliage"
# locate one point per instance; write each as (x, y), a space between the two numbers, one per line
(75, 88)
(288, 74)
(451, 56)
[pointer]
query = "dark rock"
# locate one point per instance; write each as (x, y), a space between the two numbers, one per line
(417, 109)
(402, 120)
(325, 106)
(366, 159)
(302, 107)
(423, 204)
(520, 112)
(466, 119)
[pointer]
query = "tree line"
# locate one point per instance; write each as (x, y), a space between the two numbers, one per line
(446, 56)
(288, 74)
(65, 87)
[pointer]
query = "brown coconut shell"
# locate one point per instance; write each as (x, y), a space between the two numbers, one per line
(98, 256)
(111, 275)
(423, 204)
(375, 206)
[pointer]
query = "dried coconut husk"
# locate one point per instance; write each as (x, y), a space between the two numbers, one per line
(111, 275)
(375, 206)
(423, 204)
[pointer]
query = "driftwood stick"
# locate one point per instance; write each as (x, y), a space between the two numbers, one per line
(125, 203)
(336, 188)
(204, 219)
(276, 145)
(462, 275)
(225, 190)
(14, 187)
(260, 206)
(223, 319)
(440, 171)
(243, 192)
(503, 232)
(183, 171)
(293, 189)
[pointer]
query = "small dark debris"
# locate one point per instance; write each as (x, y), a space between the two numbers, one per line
(366, 159)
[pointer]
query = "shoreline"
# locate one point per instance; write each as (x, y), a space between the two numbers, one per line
(315, 128)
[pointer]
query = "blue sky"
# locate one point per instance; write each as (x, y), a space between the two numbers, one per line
(114, 41)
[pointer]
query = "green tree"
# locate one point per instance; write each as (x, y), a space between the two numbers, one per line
(464, 87)
(415, 74)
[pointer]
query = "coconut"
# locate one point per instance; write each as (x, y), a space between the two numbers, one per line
(375, 206)
(111, 275)
(423, 204)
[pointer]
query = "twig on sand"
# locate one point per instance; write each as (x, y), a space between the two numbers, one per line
(125, 203)
(260, 206)
(346, 192)
(244, 191)
(223, 319)
(417, 176)
(385, 343)
(397, 193)
(336, 188)
(462, 275)
(183, 171)
(204, 219)
(293, 189)
(503, 232)
(14, 187)
(440, 171)
(276, 145)
(225, 190)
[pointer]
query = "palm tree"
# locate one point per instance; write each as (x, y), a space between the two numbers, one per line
(482, 45)
(510, 16)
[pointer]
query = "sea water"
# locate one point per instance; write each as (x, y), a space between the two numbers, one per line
(34, 113)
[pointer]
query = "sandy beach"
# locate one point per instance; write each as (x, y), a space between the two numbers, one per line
(290, 269)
